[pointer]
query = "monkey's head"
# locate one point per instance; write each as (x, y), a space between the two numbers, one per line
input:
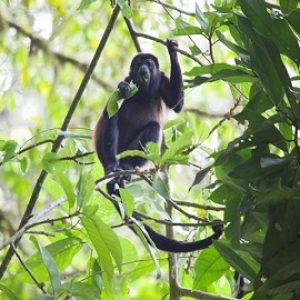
(144, 70)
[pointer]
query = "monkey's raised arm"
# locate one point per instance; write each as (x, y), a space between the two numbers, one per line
(171, 89)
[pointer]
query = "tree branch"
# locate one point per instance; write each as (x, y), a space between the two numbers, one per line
(167, 5)
(133, 35)
(155, 39)
(38, 186)
(201, 295)
(38, 284)
(200, 206)
(201, 113)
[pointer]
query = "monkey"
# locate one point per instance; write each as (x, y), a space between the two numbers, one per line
(139, 121)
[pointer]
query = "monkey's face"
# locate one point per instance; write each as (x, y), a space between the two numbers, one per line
(144, 70)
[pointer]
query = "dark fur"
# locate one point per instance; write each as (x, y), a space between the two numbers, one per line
(140, 120)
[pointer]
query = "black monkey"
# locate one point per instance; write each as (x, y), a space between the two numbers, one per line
(140, 120)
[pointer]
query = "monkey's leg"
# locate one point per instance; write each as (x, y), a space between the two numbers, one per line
(149, 133)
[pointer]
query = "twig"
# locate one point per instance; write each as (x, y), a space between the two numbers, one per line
(34, 145)
(167, 5)
(226, 117)
(27, 149)
(40, 232)
(201, 295)
(169, 223)
(75, 157)
(201, 113)
(210, 48)
(152, 38)
(51, 221)
(200, 206)
(38, 284)
(56, 145)
(133, 35)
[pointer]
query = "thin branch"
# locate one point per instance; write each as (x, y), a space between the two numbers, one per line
(211, 48)
(133, 35)
(75, 157)
(40, 232)
(201, 295)
(200, 206)
(227, 116)
(38, 284)
(51, 221)
(155, 39)
(167, 5)
(62, 58)
(201, 113)
(56, 145)
(169, 223)
(34, 146)
(27, 149)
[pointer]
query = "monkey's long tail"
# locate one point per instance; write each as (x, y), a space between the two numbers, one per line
(166, 244)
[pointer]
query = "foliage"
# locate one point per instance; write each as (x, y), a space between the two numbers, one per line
(242, 52)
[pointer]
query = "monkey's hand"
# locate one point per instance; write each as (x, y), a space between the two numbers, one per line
(117, 182)
(172, 45)
(124, 88)
(218, 228)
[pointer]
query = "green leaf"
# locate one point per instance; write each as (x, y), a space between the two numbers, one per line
(128, 201)
(209, 267)
(238, 262)
(151, 152)
(213, 69)
(84, 4)
(8, 292)
(113, 103)
(275, 29)
(25, 164)
(294, 19)
(180, 144)
(222, 71)
(202, 19)
(51, 163)
(200, 176)
(9, 148)
(85, 188)
(160, 186)
(125, 8)
(62, 251)
(53, 188)
(115, 100)
(81, 290)
(184, 28)
(51, 268)
(96, 275)
(242, 53)
(105, 242)
(67, 187)
(288, 5)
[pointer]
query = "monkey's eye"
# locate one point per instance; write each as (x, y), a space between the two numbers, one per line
(149, 63)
